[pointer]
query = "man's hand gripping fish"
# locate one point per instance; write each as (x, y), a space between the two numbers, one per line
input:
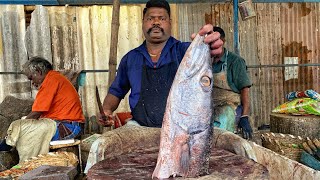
(186, 133)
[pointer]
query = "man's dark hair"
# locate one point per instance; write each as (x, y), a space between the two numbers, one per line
(157, 3)
(220, 30)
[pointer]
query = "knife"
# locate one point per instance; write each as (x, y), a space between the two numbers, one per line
(103, 116)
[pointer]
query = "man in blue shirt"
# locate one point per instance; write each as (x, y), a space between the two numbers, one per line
(148, 70)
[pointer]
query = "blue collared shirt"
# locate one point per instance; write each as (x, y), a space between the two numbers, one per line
(129, 72)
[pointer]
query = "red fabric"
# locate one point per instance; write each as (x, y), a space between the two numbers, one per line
(58, 99)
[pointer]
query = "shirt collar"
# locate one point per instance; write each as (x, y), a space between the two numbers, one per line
(224, 57)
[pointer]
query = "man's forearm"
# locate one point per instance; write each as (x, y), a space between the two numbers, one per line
(245, 101)
(34, 115)
(110, 103)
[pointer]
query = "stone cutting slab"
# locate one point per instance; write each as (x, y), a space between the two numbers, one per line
(140, 164)
(50, 173)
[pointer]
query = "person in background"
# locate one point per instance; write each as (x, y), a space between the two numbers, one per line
(148, 70)
(56, 112)
(231, 97)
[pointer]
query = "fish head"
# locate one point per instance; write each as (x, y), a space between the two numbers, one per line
(193, 85)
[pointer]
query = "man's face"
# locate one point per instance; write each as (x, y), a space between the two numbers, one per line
(156, 25)
(36, 78)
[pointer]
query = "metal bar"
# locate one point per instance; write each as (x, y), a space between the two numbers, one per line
(11, 73)
(94, 71)
(235, 27)
(30, 2)
(249, 66)
(83, 71)
(283, 1)
(109, 2)
(281, 65)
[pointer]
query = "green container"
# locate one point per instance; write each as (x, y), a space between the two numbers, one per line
(309, 160)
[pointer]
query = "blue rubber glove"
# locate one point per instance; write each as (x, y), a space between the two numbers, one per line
(245, 128)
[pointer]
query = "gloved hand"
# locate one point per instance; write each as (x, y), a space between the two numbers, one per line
(245, 128)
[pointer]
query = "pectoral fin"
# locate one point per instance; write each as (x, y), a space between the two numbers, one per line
(185, 158)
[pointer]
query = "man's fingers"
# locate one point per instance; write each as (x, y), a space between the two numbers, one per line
(106, 123)
(206, 29)
(218, 43)
(212, 37)
(247, 135)
(244, 134)
(215, 52)
(193, 36)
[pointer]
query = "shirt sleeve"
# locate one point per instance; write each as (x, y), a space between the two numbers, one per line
(45, 96)
(240, 75)
(121, 85)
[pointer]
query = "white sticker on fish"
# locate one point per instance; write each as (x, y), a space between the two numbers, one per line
(186, 133)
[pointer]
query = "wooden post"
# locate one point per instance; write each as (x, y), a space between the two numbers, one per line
(114, 41)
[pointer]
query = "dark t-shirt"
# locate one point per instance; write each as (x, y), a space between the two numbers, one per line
(237, 74)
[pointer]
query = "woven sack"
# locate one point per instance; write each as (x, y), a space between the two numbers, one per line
(52, 159)
(284, 144)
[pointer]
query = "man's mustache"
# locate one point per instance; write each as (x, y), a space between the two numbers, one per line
(155, 26)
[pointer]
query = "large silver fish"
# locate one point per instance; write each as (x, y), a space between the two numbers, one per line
(186, 132)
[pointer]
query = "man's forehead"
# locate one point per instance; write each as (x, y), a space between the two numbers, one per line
(156, 11)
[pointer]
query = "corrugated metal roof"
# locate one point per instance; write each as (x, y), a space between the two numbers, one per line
(38, 37)
(80, 39)
(12, 51)
(279, 30)
(191, 17)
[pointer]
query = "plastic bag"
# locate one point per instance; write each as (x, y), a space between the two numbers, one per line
(300, 94)
(299, 106)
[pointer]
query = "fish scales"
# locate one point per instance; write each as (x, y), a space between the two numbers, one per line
(186, 133)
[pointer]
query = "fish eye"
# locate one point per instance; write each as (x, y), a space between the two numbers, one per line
(205, 81)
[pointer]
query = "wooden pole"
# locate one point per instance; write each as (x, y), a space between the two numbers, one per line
(114, 41)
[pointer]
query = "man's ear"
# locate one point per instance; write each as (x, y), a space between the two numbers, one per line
(39, 71)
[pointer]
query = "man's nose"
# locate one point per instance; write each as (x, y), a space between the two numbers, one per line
(156, 21)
